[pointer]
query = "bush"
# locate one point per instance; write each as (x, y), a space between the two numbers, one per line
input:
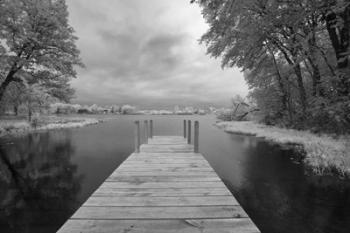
(330, 117)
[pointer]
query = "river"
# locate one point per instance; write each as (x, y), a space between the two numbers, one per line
(46, 176)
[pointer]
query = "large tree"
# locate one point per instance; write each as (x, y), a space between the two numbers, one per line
(294, 52)
(36, 41)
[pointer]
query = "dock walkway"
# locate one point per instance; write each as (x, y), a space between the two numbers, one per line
(166, 187)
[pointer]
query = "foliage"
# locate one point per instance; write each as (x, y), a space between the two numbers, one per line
(295, 56)
(127, 109)
(16, 126)
(37, 48)
(240, 110)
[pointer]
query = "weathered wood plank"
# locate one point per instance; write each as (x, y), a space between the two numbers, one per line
(163, 158)
(154, 157)
(167, 137)
(165, 173)
(160, 201)
(164, 185)
(166, 148)
(173, 150)
(195, 165)
(159, 169)
(171, 164)
(190, 165)
(182, 212)
(161, 155)
(167, 160)
(139, 179)
(243, 225)
(152, 192)
(167, 141)
(168, 154)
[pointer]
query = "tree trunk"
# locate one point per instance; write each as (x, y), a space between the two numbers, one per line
(339, 33)
(301, 89)
(6, 82)
(317, 89)
(331, 21)
(298, 73)
(280, 84)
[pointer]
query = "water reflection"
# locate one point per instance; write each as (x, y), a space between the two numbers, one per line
(37, 176)
(41, 177)
(280, 196)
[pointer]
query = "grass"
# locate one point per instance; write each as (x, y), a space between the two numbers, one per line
(324, 154)
(15, 126)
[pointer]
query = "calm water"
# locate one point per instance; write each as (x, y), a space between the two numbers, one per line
(45, 177)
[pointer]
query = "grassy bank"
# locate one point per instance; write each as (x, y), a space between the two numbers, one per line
(16, 126)
(324, 154)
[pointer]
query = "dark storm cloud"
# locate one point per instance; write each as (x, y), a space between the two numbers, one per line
(146, 53)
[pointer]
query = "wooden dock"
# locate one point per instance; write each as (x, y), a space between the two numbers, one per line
(163, 187)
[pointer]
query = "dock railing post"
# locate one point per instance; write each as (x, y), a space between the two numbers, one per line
(146, 131)
(137, 137)
(189, 132)
(151, 128)
(196, 135)
(185, 128)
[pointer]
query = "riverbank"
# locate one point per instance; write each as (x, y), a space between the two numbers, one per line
(323, 153)
(15, 127)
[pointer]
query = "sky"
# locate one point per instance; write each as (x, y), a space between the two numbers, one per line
(147, 53)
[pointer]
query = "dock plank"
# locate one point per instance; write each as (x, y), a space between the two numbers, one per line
(144, 179)
(234, 225)
(161, 201)
(167, 212)
(206, 184)
(165, 173)
(171, 192)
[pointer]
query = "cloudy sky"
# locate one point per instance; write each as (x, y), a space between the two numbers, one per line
(146, 53)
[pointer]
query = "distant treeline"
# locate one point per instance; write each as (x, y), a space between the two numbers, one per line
(294, 54)
(63, 108)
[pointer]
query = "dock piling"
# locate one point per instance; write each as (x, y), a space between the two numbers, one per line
(146, 131)
(196, 135)
(137, 137)
(189, 132)
(151, 128)
(184, 128)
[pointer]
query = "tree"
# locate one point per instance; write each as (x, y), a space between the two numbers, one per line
(37, 41)
(127, 109)
(295, 55)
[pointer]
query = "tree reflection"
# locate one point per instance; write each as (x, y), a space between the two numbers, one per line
(38, 182)
(281, 197)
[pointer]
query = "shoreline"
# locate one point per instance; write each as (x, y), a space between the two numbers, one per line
(15, 128)
(324, 154)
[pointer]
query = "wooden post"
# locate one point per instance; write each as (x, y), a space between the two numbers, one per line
(146, 131)
(137, 137)
(196, 135)
(151, 128)
(189, 132)
(184, 128)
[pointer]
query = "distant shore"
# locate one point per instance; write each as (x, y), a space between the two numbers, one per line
(323, 153)
(17, 127)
